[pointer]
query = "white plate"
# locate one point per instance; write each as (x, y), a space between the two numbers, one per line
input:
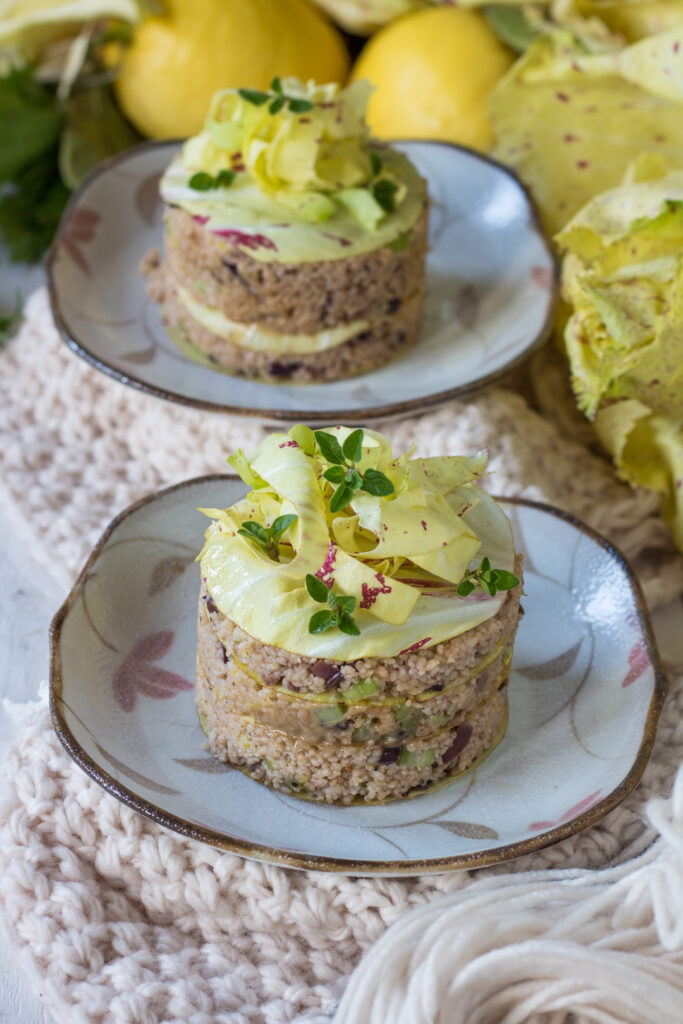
(491, 294)
(585, 694)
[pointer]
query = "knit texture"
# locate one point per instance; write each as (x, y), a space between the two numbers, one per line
(122, 922)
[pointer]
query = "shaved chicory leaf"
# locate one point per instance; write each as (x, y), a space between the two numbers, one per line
(623, 276)
(570, 122)
(398, 557)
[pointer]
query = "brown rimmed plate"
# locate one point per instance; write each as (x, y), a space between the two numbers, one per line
(491, 294)
(586, 691)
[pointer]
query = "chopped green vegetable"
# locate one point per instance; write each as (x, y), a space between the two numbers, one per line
(361, 691)
(415, 758)
(329, 716)
(408, 718)
(363, 733)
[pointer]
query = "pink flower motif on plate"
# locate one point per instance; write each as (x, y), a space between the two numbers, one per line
(80, 229)
(638, 663)
(573, 812)
(542, 276)
(137, 674)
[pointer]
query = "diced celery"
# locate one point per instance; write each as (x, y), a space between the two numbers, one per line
(363, 733)
(416, 758)
(365, 688)
(408, 718)
(328, 716)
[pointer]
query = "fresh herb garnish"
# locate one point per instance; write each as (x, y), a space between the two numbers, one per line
(376, 164)
(343, 469)
(299, 106)
(277, 99)
(339, 608)
(488, 579)
(201, 181)
(254, 97)
(384, 192)
(268, 537)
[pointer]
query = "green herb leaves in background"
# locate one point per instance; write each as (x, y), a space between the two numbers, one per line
(33, 194)
(343, 470)
(339, 608)
(9, 321)
(95, 129)
(511, 25)
(48, 147)
(268, 537)
(488, 579)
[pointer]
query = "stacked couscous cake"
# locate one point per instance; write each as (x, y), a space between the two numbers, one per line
(356, 618)
(294, 245)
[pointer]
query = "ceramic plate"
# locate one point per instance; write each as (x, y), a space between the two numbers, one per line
(491, 292)
(585, 694)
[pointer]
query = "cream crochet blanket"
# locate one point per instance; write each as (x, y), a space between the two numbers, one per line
(122, 922)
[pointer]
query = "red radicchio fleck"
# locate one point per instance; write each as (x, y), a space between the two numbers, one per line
(288, 444)
(248, 241)
(326, 570)
(370, 594)
(199, 219)
(416, 646)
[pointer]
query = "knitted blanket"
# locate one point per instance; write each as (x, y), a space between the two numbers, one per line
(121, 922)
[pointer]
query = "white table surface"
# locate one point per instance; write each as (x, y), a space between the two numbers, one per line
(29, 597)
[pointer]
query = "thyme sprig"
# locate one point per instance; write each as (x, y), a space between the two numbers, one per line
(338, 612)
(382, 189)
(488, 579)
(268, 537)
(343, 472)
(202, 181)
(277, 98)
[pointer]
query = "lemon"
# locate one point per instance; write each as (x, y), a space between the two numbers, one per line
(178, 60)
(433, 71)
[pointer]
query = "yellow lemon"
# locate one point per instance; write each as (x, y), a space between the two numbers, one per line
(433, 71)
(178, 60)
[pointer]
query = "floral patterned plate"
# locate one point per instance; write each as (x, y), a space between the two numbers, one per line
(491, 294)
(585, 695)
